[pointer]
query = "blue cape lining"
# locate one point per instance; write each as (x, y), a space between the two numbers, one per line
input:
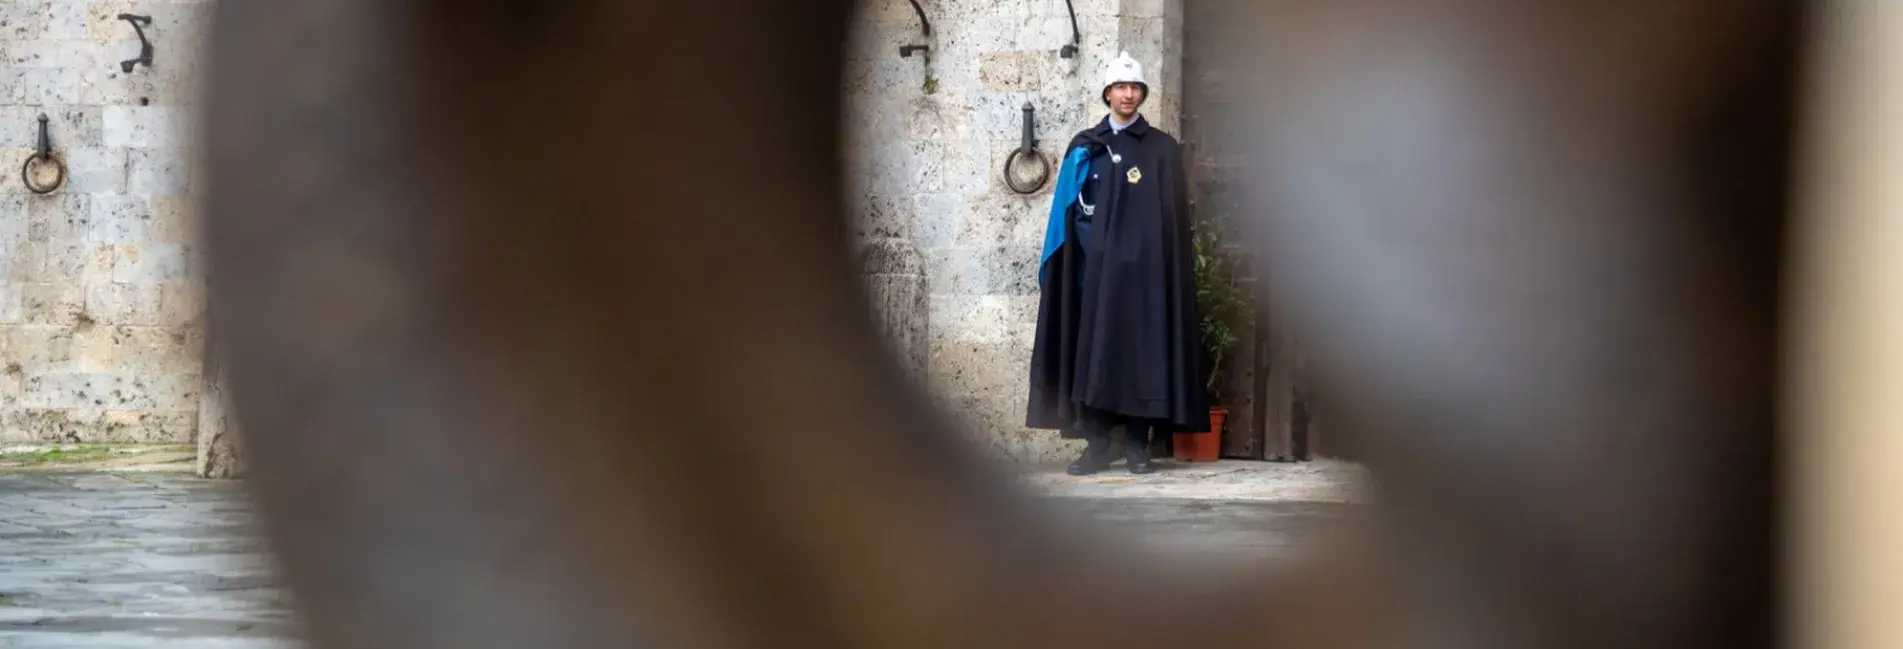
(1070, 181)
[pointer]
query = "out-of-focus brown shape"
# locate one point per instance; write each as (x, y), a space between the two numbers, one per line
(1846, 339)
(542, 333)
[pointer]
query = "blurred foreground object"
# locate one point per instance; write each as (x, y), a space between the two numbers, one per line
(1846, 420)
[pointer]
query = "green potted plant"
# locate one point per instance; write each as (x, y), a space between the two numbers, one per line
(1219, 301)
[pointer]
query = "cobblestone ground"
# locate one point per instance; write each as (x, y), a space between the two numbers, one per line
(141, 560)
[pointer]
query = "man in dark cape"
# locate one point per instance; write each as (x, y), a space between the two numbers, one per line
(1118, 338)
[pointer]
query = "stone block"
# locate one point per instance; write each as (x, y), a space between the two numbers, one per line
(36, 349)
(101, 260)
(927, 164)
(56, 391)
(175, 390)
(73, 262)
(873, 124)
(968, 171)
(156, 172)
(881, 171)
(895, 292)
(53, 304)
(970, 318)
(119, 219)
(38, 53)
(147, 427)
(70, 128)
(1145, 8)
(181, 304)
(12, 304)
(102, 22)
(875, 12)
(149, 353)
(983, 271)
(95, 171)
(50, 87)
(24, 262)
(945, 116)
(149, 263)
(51, 390)
(126, 304)
(51, 424)
(95, 350)
(1005, 220)
(65, 20)
(879, 216)
(22, 21)
(114, 391)
(935, 224)
(173, 219)
(144, 126)
(58, 217)
(1005, 72)
(13, 220)
(106, 85)
(12, 158)
(19, 128)
(83, 55)
(985, 382)
(104, 390)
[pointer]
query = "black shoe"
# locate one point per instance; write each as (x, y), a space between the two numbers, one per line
(1136, 451)
(1142, 467)
(1093, 459)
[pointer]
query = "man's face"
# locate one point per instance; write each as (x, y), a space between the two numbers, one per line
(1124, 99)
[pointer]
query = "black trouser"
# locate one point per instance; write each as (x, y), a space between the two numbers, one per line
(1136, 437)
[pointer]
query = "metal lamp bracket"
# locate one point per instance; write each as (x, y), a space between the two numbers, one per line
(1076, 35)
(139, 23)
(925, 26)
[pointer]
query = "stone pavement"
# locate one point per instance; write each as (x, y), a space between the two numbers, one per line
(111, 560)
(140, 560)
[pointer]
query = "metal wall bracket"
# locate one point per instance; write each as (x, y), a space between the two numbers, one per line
(139, 23)
(1076, 35)
(924, 26)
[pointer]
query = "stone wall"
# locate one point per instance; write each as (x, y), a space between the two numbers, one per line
(99, 301)
(927, 139)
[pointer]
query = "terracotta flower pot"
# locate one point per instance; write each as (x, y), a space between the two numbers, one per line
(1202, 447)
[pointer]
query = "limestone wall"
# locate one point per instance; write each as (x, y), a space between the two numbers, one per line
(99, 301)
(100, 333)
(927, 141)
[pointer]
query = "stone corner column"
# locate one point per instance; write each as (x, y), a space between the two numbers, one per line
(219, 454)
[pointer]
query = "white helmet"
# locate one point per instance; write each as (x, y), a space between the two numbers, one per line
(1124, 70)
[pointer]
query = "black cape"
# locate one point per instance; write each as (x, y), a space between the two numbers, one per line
(1118, 337)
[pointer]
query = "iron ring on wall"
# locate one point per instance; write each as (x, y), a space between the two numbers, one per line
(1043, 174)
(26, 173)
